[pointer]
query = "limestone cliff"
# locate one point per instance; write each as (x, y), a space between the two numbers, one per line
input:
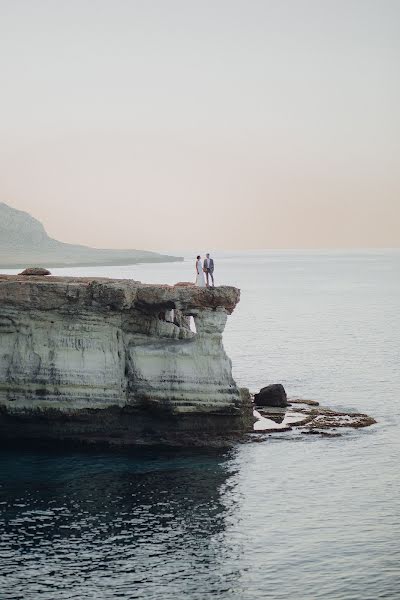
(115, 360)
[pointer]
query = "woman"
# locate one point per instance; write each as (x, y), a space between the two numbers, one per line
(200, 282)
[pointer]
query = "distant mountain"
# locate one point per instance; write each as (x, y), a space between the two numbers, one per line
(24, 243)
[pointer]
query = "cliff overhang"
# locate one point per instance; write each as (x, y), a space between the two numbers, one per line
(116, 361)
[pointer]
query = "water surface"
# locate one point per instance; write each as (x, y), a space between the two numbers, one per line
(292, 517)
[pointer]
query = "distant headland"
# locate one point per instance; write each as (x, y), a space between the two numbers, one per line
(24, 242)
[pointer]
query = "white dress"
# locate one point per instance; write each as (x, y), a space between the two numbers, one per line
(200, 281)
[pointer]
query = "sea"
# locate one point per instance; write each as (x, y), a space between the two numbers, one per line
(291, 517)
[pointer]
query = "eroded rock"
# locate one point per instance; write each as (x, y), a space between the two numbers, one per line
(116, 361)
(309, 418)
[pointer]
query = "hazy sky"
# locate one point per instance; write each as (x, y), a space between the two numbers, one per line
(203, 123)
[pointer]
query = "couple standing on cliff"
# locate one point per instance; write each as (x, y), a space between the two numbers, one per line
(206, 267)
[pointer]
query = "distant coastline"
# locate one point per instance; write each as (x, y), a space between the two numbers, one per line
(25, 243)
(117, 262)
(59, 265)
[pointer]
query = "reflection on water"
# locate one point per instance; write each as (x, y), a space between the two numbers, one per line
(292, 517)
(74, 525)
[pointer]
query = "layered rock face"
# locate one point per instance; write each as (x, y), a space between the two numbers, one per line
(116, 361)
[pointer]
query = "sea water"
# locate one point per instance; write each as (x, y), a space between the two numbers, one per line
(294, 516)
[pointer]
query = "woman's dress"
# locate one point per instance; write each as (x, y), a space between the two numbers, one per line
(200, 281)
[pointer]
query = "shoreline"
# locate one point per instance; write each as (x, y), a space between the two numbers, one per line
(111, 263)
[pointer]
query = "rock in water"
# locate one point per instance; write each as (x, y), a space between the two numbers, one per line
(271, 395)
(96, 360)
(35, 271)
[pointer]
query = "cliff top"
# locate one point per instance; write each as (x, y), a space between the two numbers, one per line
(52, 293)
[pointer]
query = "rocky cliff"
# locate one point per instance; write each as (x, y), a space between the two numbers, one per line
(24, 242)
(116, 361)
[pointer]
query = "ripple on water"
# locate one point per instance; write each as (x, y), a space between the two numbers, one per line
(299, 518)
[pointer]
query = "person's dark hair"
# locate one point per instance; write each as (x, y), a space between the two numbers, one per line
(198, 257)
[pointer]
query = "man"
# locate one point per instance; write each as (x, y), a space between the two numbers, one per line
(209, 269)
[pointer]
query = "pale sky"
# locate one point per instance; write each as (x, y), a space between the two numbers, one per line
(161, 124)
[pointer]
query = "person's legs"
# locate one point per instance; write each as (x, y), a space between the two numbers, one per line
(207, 274)
(212, 277)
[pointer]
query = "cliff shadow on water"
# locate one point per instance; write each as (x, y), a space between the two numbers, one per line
(92, 511)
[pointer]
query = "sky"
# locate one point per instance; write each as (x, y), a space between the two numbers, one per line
(209, 124)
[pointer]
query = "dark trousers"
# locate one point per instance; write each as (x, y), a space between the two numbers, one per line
(209, 274)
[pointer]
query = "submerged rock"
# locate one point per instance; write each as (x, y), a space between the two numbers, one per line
(322, 433)
(271, 395)
(99, 360)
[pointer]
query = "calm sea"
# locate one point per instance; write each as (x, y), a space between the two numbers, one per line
(291, 517)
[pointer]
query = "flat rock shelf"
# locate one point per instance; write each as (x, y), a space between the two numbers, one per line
(306, 417)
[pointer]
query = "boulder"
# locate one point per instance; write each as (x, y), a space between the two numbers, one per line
(271, 395)
(35, 271)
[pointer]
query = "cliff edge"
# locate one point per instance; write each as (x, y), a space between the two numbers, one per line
(116, 361)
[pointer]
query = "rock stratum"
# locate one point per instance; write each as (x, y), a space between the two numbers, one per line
(116, 362)
(24, 243)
